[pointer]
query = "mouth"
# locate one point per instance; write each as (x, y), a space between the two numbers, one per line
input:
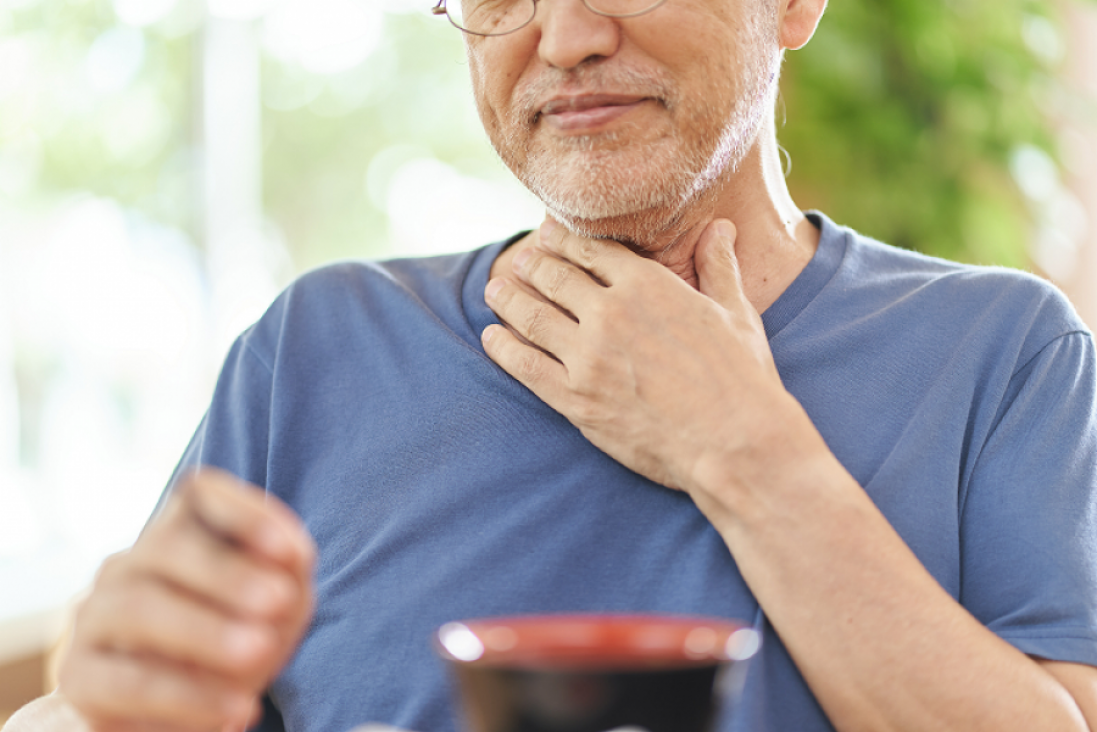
(587, 112)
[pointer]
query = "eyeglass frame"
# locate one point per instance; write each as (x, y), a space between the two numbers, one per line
(440, 9)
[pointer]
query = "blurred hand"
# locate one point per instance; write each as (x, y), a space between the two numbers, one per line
(184, 631)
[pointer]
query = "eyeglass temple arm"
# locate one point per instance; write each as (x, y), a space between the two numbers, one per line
(439, 9)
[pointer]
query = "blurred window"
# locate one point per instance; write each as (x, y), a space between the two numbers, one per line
(166, 166)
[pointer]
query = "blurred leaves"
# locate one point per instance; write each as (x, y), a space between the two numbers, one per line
(91, 104)
(903, 116)
(322, 132)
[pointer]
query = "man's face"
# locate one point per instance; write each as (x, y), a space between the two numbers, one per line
(613, 122)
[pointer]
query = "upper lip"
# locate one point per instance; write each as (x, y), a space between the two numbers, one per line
(581, 102)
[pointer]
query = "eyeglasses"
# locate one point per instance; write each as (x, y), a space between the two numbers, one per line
(499, 17)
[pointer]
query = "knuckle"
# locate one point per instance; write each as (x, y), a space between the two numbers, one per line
(559, 280)
(100, 615)
(535, 265)
(250, 650)
(597, 370)
(279, 591)
(131, 600)
(535, 321)
(158, 544)
(505, 294)
(586, 411)
(121, 618)
(601, 310)
(586, 251)
(113, 567)
(588, 378)
(530, 367)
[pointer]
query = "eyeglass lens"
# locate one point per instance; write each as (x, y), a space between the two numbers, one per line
(496, 17)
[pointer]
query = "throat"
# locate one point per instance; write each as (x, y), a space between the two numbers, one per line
(666, 237)
(676, 255)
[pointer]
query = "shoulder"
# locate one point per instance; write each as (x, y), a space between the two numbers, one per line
(914, 289)
(328, 301)
(358, 279)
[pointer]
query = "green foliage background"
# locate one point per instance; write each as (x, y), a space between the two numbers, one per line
(902, 116)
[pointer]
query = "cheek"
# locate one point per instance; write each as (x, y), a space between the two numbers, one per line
(496, 65)
(491, 85)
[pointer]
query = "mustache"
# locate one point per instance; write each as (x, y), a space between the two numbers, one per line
(619, 78)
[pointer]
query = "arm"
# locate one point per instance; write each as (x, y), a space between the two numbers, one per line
(681, 387)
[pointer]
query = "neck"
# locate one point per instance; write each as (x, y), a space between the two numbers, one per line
(774, 243)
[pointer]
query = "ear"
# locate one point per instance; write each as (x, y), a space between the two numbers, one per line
(799, 19)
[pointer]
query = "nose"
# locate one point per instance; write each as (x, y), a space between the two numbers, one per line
(571, 33)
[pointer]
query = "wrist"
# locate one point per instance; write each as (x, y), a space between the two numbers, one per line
(781, 461)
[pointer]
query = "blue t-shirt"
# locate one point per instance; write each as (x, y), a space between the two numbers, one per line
(438, 488)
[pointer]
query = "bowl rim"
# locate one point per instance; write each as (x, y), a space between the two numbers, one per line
(595, 640)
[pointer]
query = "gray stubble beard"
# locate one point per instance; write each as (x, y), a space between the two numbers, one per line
(645, 194)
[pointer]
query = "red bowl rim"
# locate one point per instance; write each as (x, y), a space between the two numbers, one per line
(595, 641)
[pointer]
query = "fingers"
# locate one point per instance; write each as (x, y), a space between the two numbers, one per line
(244, 515)
(717, 266)
(543, 305)
(606, 259)
(186, 629)
(542, 374)
(118, 690)
(541, 323)
(558, 281)
(189, 557)
(156, 613)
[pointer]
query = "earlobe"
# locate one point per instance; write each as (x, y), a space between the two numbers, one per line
(799, 20)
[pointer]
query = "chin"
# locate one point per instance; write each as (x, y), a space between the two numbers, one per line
(644, 206)
(643, 230)
(615, 202)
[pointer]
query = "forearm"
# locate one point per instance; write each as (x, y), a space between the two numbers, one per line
(881, 644)
(50, 713)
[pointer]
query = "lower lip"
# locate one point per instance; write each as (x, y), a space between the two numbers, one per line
(589, 119)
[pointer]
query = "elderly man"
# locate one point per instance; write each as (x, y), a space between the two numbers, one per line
(892, 472)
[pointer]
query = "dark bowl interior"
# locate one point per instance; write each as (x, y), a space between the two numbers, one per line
(585, 673)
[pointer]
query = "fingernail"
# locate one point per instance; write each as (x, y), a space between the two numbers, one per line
(488, 334)
(521, 258)
(725, 229)
(547, 226)
(493, 288)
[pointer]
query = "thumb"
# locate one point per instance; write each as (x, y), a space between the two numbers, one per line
(717, 267)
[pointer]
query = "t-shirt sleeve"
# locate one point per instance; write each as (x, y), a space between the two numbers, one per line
(234, 433)
(1029, 515)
